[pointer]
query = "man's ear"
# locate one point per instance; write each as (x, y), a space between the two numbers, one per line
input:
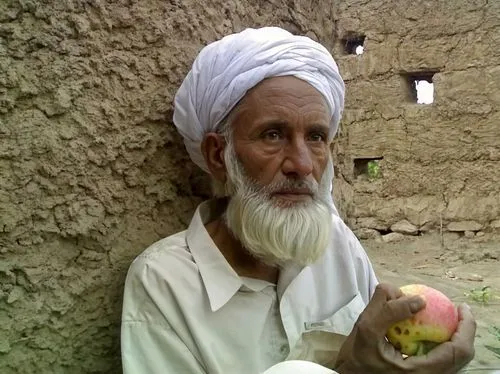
(212, 148)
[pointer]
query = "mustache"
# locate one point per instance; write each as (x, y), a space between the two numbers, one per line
(289, 184)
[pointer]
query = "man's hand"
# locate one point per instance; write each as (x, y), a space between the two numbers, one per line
(366, 349)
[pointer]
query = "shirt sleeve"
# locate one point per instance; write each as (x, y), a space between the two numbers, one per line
(149, 348)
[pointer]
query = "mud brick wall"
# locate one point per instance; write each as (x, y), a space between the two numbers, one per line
(438, 163)
(92, 170)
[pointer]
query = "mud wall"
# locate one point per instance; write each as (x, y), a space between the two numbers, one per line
(437, 163)
(91, 168)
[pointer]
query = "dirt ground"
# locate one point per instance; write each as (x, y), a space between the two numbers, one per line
(458, 266)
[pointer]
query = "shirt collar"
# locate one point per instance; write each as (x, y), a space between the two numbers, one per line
(219, 278)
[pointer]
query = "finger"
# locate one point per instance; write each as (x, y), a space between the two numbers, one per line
(379, 316)
(463, 339)
(466, 330)
(392, 291)
(444, 358)
(385, 291)
(439, 360)
(386, 307)
(457, 352)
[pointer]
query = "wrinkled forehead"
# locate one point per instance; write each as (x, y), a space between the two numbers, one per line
(276, 96)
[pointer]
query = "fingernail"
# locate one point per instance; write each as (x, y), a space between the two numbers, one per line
(416, 304)
(467, 306)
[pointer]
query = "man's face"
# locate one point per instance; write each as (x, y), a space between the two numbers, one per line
(280, 131)
(275, 158)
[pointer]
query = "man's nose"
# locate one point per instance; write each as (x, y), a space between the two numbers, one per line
(298, 162)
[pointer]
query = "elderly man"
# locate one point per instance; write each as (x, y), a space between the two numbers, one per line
(267, 276)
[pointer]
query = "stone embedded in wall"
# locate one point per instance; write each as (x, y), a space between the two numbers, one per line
(365, 233)
(451, 236)
(405, 227)
(495, 224)
(469, 234)
(392, 237)
(371, 223)
(464, 226)
(373, 211)
(428, 226)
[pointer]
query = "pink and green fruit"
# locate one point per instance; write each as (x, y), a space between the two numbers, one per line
(431, 326)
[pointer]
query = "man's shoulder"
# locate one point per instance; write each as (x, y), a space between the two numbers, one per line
(167, 246)
(163, 257)
(156, 278)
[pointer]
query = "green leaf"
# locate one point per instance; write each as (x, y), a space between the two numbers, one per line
(495, 350)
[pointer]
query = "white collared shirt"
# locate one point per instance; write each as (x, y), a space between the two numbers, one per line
(185, 310)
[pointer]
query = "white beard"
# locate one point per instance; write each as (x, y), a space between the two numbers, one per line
(274, 232)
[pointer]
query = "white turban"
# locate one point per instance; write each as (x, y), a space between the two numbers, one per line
(226, 69)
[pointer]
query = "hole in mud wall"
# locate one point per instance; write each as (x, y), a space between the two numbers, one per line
(367, 168)
(384, 232)
(354, 44)
(420, 87)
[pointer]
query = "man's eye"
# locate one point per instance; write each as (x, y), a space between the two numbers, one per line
(272, 135)
(317, 137)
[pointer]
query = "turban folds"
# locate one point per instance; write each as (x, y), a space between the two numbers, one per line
(226, 69)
